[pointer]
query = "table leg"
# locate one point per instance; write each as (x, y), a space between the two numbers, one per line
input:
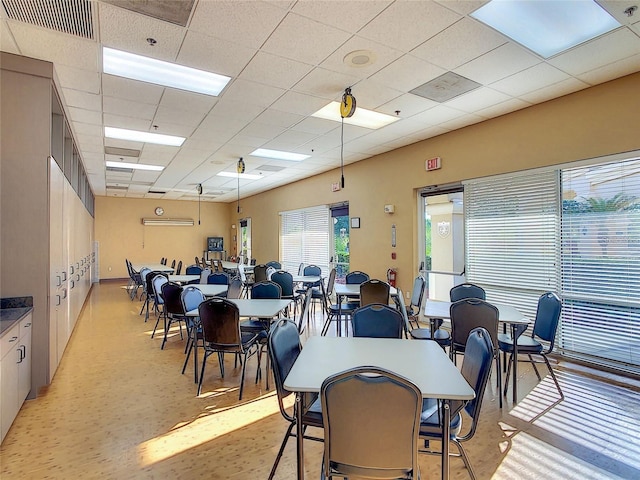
(299, 434)
(517, 329)
(446, 432)
(339, 324)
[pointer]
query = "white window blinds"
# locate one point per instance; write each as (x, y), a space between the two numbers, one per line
(512, 229)
(601, 263)
(304, 238)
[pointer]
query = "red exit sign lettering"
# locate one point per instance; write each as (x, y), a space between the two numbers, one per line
(433, 163)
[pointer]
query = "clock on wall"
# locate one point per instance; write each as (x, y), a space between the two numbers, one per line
(159, 211)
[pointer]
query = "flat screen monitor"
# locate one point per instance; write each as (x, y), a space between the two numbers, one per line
(215, 244)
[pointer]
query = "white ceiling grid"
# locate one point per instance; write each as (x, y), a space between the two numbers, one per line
(286, 60)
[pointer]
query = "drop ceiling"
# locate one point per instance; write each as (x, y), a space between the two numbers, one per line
(288, 59)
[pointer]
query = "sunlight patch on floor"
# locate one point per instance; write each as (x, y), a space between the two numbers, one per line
(532, 459)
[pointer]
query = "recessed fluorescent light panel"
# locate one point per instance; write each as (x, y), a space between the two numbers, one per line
(245, 176)
(278, 155)
(145, 137)
(145, 69)
(136, 166)
(547, 27)
(361, 118)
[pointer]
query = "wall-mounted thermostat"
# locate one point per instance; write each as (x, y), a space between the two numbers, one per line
(389, 208)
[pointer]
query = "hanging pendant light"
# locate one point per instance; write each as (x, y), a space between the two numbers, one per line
(347, 109)
(240, 169)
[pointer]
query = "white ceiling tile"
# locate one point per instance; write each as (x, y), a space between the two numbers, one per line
(534, 78)
(274, 70)
(214, 54)
(249, 93)
(7, 43)
(90, 143)
(462, 122)
(84, 100)
(382, 55)
(279, 118)
(169, 128)
(617, 69)
(144, 176)
(407, 73)
(85, 116)
(325, 83)
(317, 126)
(130, 123)
(126, 30)
(437, 115)
(61, 49)
(183, 100)
(606, 49)
(177, 116)
(246, 23)
(463, 7)
(497, 64)
(119, 106)
(460, 43)
(326, 40)
(157, 154)
(78, 79)
(262, 130)
(503, 108)
(349, 16)
(477, 99)
(114, 142)
(299, 103)
(134, 90)
(407, 104)
(370, 94)
(88, 129)
(406, 24)
(553, 91)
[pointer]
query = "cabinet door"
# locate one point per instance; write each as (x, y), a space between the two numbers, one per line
(24, 360)
(9, 379)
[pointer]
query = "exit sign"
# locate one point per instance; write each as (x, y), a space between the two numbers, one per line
(433, 163)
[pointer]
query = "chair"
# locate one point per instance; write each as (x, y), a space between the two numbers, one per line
(301, 269)
(371, 422)
(274, 264)
(468, 314)
(284, 347)
(191, 299)
(197, 262)
(204, 275)
(158, 300)
(179, 268)
(355, 278)
(218, 278)
(260, 273)
(135, 280)
(220, 320)
(544, 328)
(317, 293)
(149, 292)
(163, 261)
(476, 368)
(334, 310)
(235, 288)
(374, 291)
(377, 320)
(173, 264)
(417, 294)
(247, 283)
(142, 278)
(252, 262)
(466, 290)
(193, 270)
(173, 308)
(285, 280)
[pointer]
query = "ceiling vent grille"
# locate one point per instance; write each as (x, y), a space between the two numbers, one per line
(69, 16)
(119, 169)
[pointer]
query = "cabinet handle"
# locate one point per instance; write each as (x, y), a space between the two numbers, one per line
(19, 350)
(65, 293)
(64, 276)
(13, 339)
(71, 269)
(73, 284)
(59, 280)
(27, 325)
(58, 300)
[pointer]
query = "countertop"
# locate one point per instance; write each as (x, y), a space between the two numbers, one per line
(12, 310)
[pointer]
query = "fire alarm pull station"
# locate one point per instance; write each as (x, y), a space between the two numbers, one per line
(393, 255)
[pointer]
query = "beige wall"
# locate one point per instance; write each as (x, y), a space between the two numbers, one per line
(594, 122)
(120, 233)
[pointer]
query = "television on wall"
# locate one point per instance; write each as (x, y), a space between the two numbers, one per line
(215, 244)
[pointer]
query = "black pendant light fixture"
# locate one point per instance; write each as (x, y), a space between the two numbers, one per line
(199, 189)
(240, 169)
(347, 109)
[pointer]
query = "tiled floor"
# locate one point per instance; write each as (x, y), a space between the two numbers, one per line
(119, 408)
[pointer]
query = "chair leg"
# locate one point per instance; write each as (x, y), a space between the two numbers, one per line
(499, 375)
(204, 362)
(533, 363)
(244, 367)
(506, 380)
(281, 451)
(167, 324)
(465, 459)
(553, 375)
(154, 328)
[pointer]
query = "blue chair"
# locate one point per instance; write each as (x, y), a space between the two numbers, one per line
(476, 368)
(285, 280)
(173, 308)
(191, 298)
(274, 264)
(158, 300)
(218, 278)
(378, 321)
(544, 328)
(193, 270)
(417, 294)
(466, 290)
(355, 278)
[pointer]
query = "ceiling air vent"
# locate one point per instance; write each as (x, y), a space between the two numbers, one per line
(119, 170)
(69, 16)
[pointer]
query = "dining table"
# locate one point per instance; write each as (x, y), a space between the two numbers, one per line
(507, 315)
(183, 278)
(423, 363)
(154, 267)
(343, 290)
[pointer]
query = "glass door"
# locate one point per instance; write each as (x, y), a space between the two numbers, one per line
(340, 255)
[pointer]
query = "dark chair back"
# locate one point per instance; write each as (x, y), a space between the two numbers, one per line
(260, 273)
(466, 290)
(266, 289)
(547, 318)
(274, 264)
(179, 268)
(418, 292)
(193, 270)
(378, 321)
(371, 422)
(285, 280)
(149, 280)
(284, 348)
(220, 321)
(374, 291)
(468, 314)
(218, 278)
(172, 294)
(356, 277)
(235, 288)
(173, 263)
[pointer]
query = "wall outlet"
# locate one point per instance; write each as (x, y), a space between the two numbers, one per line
(408, 294)
(109, 268)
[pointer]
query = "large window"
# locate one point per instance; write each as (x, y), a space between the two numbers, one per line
(574, 231)
(304, 238)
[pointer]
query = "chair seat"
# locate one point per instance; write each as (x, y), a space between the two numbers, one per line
(441, 336)
(255, 325)
(313, 416)
(430, 420)
(526, 344)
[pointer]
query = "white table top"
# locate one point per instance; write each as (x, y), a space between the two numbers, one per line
(152, 266)
(210, 290)
(353, 289)
(306, 278)
(261, 308)
(234, 266)
(506, 313)
(424, 363)
(183, 278)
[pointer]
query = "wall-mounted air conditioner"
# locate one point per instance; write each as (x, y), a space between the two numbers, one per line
(169, 222)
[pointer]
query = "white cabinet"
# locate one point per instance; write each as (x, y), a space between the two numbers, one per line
(15, 371)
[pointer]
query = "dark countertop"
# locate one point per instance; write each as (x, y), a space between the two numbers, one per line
(12, 310)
